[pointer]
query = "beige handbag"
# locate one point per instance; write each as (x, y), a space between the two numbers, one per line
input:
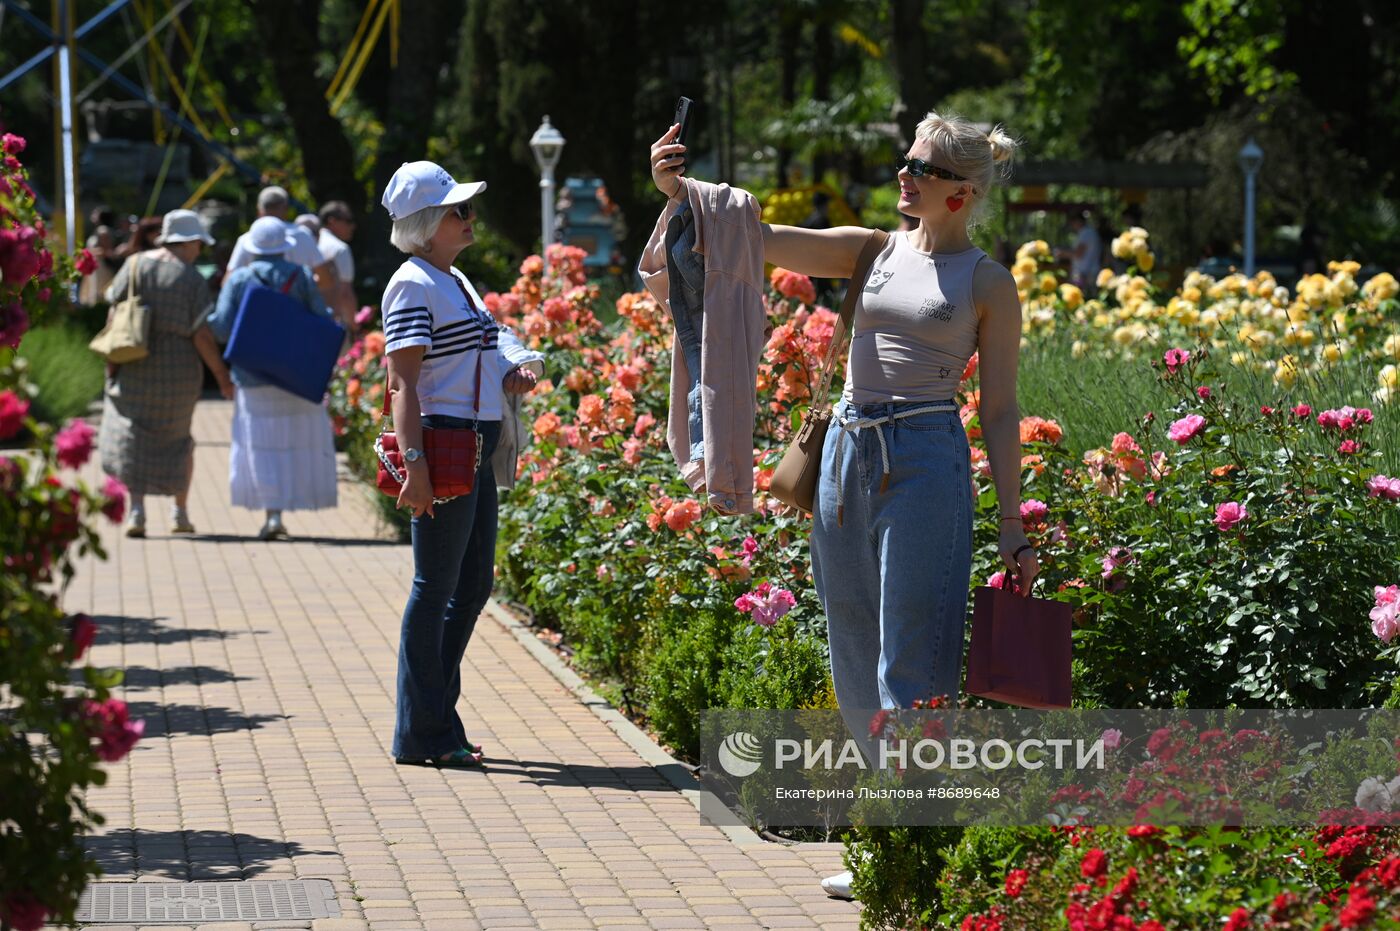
(795, 480)
(124, 337)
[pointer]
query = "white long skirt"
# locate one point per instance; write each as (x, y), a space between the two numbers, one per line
(282, 457)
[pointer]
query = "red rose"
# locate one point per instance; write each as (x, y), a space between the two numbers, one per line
(85, 264)
(12, 414)
(82, 632)
(21, 909)
(115, 734)
(1095, 863)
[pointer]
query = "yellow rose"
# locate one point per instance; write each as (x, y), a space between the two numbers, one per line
(1332, 352)
(1048, 283)
(1077, 349)
(1071, 295)
(1382, 287)
(1102, 320)
(1239, 359)
(1145, 260)
(1123, 336)
(1122, 247)
(1392, 345)
(1210, 319)
(1298, 312)
(1286, 373)
(1383, 395)
(1105, 278)
(1389, 377)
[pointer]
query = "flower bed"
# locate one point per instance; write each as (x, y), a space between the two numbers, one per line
(54, 729)
(1218, 549)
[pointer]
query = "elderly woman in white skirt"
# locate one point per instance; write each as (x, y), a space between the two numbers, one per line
(282, 457)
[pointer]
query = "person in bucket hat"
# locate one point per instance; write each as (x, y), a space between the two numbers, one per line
(147, 405)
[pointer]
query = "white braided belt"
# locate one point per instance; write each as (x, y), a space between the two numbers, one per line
(855, 424)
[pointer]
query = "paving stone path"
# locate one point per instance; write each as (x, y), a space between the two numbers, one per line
(265, 675)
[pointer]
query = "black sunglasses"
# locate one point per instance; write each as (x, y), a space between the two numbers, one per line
(464, 210)
(918, 168)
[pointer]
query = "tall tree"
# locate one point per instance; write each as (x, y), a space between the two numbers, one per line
(288, 31)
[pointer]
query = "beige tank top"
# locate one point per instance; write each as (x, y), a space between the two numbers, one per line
(915, 325)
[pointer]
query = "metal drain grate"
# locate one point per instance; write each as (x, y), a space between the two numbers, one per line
(191, 903)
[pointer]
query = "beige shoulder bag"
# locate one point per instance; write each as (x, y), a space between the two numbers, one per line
(124, 337)
(795, 480)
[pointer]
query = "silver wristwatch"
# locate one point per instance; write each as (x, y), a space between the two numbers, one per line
(412, 455)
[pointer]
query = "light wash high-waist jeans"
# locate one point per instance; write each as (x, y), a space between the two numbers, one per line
(454, 559)
(893, 574)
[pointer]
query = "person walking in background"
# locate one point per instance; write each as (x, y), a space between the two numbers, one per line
(337, 229)
(1085, 256)
(451, 365)
(892, 516)
(274, 201)
(282, 457)
(147, 405)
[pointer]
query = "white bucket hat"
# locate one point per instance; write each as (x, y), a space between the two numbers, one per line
(417, 185)
(183, 226)
(269, 236)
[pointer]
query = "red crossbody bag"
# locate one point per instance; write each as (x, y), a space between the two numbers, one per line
(453, 454)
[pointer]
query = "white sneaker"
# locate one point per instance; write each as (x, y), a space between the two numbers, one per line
(180, 521)
(136, 525)
(839, 886)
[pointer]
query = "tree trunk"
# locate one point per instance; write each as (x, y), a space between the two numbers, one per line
(910, 63)
(288, 32)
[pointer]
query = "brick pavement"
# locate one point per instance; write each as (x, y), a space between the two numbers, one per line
(265, 674)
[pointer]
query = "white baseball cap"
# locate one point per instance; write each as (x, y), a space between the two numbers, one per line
(183, 226)
(417, 185)
(269, 236)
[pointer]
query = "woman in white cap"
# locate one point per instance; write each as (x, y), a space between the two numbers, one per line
(147, 405)
(451, 365)
(282, 456)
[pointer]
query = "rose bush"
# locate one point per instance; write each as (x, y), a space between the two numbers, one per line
(1216, 549)
(55, 728)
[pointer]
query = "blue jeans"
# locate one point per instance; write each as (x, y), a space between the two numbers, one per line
(893, 575)
(454, 560)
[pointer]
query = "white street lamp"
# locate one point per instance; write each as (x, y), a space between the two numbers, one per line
(1251, 157)
(548, 145)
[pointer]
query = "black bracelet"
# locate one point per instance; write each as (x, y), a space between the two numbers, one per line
(1023, 548)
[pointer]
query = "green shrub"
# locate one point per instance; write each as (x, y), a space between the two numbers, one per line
(895, 872)
(777, 667)
(67, 374)
(687, 660)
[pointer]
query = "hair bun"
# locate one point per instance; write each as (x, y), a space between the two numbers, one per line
(1003, 146)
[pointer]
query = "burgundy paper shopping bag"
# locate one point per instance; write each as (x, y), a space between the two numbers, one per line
(1020, 652)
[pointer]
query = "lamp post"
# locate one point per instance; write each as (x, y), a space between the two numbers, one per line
(1251, 157)
(548, 145)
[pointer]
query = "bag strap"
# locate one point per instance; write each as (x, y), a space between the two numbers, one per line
(291, 280)
(480, 351)
(131, 278)
(874, 245)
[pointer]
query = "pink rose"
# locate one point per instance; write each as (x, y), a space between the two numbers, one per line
(14, 323)
(1034, 511)
(1349, 448)
(85, 264)
(1230, 514)
(1382, 486)
(1175, 359)
(82, 633)
(750, 549)
(644, 423)
(766, 604)
(682, 514)
(12, 144)
(365, 315)
(1385, 616)
(1302, 410)
(1116, 558)
(1203, 392)
(12, 414)
(20, 259)
(1266, 410)
(73, 444)
(21, 910)
(1112, 738)
(115, 733)
(114, 499)
(1187, 428)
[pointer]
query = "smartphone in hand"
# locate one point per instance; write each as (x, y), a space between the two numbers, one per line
(685, 108)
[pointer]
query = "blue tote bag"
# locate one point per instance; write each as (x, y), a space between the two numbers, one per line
(279, 339)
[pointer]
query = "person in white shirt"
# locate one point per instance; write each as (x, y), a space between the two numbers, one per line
(451, 365)
(337, 229)
(273, 202)
(1086, 253)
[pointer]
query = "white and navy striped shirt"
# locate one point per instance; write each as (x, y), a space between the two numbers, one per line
(426, 307)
